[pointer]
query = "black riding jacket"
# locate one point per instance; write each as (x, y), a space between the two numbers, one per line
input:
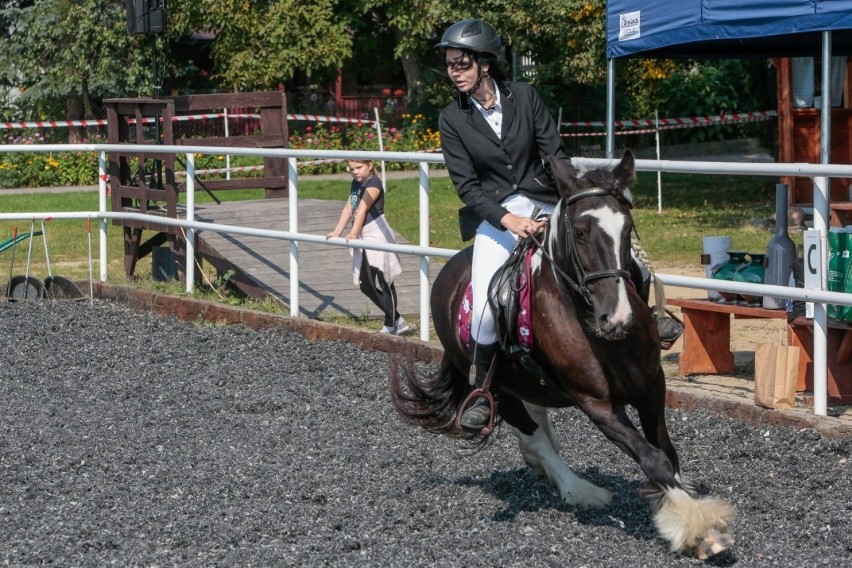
(486, 169)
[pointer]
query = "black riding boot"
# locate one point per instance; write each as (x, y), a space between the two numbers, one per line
(477, 415)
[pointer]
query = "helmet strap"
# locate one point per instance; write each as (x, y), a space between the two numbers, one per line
(478, 80)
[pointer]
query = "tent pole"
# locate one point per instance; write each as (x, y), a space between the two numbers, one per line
(822, 196)
(610, 108)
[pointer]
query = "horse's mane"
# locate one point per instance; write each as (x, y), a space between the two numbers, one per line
(610, 179)
(599, 177)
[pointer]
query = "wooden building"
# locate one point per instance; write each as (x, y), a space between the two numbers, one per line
(799, 134)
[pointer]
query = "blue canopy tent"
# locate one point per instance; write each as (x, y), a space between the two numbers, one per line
(713, 29)
(726, 28)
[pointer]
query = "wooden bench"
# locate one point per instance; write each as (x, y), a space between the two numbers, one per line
(800, 333)
(707, 334)
(707, 345)
(840, 212)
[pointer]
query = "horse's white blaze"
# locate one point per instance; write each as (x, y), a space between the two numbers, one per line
(541, 452)
(684, 521)
(612, 223)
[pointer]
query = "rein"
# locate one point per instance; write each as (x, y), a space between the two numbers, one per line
(580, 287)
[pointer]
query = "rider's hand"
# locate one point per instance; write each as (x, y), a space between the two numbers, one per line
(521, 226)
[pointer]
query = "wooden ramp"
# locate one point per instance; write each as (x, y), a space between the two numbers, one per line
(325, 271)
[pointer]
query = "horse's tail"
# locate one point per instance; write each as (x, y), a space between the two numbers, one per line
(429, 401)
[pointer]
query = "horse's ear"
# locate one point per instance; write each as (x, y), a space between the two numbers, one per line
(625, 171)
(563, 174)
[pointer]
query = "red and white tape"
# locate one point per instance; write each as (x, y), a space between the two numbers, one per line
(209, 116)
(52, 124)
(682, 122)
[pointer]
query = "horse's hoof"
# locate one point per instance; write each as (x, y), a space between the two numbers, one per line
(712, 544)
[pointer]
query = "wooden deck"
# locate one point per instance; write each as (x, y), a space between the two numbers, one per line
(325, 271)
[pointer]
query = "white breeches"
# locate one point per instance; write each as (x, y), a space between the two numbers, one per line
(491, 248)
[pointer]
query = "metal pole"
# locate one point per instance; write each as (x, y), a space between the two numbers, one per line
(610, 108)
(190, 216)
(424, 242)
(227, 156)
(822, 197)
(294, 228)
(381, 146)
(102, 224)
(659, 173)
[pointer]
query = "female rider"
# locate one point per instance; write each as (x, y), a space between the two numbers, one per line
(495, 137)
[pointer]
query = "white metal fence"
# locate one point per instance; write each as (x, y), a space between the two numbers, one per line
(819, 173)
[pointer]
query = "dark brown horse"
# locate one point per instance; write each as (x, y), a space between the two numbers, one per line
(598, 348)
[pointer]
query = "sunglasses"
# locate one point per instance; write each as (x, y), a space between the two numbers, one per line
(460, 63)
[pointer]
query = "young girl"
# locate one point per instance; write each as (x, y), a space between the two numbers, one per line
(373, 270)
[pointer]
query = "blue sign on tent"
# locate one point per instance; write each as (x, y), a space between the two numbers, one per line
(726, 28)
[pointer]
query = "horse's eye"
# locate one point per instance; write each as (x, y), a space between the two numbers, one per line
(579, 235)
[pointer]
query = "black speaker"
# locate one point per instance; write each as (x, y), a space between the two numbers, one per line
(145, 16)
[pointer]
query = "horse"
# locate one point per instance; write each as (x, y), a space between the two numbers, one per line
(596, 348)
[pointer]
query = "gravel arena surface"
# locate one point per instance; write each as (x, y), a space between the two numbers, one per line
(135, 440)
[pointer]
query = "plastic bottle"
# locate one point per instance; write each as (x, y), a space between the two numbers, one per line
(780, 252)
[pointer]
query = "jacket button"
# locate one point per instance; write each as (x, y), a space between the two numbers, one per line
(514, 186)
(509, 166)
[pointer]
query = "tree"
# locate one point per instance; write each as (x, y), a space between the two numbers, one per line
(77, 50)
(414, 24)
(260, 43)
(70, 50)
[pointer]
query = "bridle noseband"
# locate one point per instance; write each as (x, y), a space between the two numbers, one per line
(582, 278)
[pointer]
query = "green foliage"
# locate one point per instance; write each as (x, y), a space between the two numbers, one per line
(697, 88)
(47, 169)
(259, 44)
(57, 47)
(81, 167)
(413, 135)
(62, 54)
(566, 38)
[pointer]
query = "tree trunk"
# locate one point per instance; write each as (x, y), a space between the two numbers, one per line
(74, 111)
(412, 66)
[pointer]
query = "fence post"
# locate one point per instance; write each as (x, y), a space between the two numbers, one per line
(227, 156)
(190, 217)
(381, 146)
(102, 222)
(292, 180)
(659, 173)
(424, 242)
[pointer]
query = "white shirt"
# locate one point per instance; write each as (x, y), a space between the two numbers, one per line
(494, 115)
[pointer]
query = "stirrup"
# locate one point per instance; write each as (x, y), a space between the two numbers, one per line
(489, 426)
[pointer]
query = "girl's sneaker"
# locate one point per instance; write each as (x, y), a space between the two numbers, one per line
(388, 329)
(401, 326)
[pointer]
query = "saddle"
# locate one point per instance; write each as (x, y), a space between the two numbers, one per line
(509, 295)
(509, 300)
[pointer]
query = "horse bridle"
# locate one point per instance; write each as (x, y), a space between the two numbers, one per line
(584, 278)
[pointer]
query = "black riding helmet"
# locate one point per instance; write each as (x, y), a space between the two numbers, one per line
(472, 35)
